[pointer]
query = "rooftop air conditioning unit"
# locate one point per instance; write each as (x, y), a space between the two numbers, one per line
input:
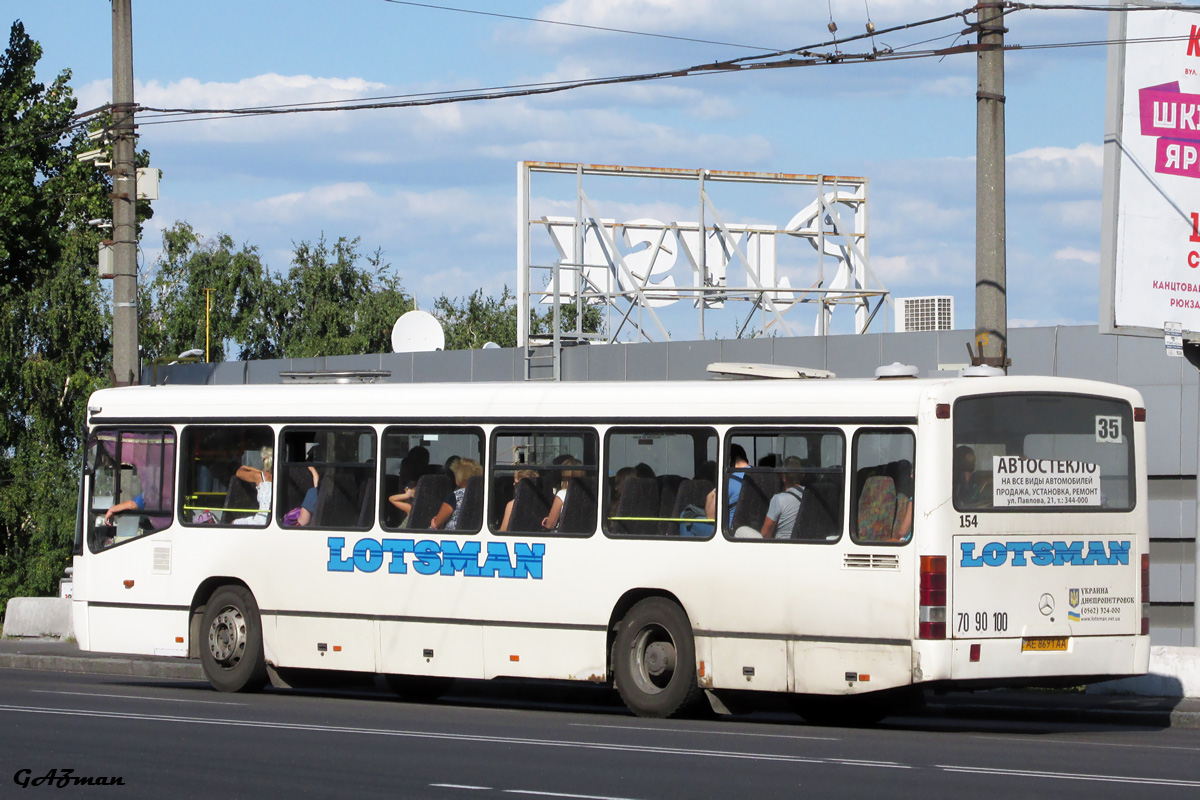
(924, 314)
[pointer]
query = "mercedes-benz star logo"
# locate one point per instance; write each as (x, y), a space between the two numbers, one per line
(1046, 604)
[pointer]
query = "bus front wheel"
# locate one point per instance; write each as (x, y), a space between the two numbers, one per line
(231, 651)
(654, 659)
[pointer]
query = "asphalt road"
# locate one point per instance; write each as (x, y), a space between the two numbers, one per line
(174, 738)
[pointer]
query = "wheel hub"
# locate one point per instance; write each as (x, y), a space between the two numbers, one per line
(660, 658)
(227, 637)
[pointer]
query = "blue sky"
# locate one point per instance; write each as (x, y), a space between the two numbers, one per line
(435, 189)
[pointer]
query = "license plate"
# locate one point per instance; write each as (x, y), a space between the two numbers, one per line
(1045, 643)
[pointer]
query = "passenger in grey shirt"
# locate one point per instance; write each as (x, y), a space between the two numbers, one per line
(785, 506)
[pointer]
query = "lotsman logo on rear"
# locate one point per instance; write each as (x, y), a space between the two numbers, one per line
(1045, 554)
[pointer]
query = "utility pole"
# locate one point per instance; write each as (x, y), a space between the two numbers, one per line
(126, 366)
(991, 297)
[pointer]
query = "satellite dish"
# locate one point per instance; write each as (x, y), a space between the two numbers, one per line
(417, 332)
(490, 346)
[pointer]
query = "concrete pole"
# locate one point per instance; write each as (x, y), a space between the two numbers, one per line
(124, 197)
(991, 299)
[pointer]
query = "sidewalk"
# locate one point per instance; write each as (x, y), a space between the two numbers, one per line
(1016, 705)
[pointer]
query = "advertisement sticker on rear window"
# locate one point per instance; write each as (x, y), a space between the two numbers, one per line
(1044, 482)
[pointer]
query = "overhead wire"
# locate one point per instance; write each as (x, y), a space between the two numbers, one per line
(575, 25)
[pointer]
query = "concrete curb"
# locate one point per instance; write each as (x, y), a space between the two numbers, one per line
(175, 669)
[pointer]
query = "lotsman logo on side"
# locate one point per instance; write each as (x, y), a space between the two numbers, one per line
(447, 557)
(1044, 554)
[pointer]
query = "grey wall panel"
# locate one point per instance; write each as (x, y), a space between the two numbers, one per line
(1083, 353)
(751, 351)
(952, 347)
(1188, 434)
(1164, 447)
(399, 364)
(1031, 350)
(231, 372)
(607, 363)
(267, 370)
(502, 364)
(1144, 362)
(801, 351)
(690, 360)
(918, 349)
(574, 363)
(316, 364)
(855, 356)
(186, 374)
(452, 365)
(650, 363)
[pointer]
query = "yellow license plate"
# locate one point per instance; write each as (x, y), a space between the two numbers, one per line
(1045, 643)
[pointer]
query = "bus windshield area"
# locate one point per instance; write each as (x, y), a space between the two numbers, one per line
(1051, 452)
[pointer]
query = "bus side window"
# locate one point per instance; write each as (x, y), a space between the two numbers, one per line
(341, 493)
(661, 479)
(883, 486)
(228, 475)
(132, 484)
(544, 481)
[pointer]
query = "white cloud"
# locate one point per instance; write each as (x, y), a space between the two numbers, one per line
(1057, 170)
(1076, 254)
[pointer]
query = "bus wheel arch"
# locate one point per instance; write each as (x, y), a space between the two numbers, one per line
(229, 639)
(653, 656)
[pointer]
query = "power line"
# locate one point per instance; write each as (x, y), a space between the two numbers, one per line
(575, 25)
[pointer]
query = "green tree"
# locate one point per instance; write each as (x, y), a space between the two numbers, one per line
(328, 305)
(53, 316)
(471, 321)
(203, 294)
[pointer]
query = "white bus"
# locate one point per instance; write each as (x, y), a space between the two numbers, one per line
(957, 532)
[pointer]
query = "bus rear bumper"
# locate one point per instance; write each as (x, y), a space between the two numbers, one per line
(1006, 659)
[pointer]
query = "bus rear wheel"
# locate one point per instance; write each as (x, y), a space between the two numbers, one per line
(231, 651)
(654, 660)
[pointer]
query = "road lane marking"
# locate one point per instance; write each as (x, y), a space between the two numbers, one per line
(461, 786)
(562, 794)
(855, 762)
(1067, 776)
(713, 732)
(1086, 742)
(458, 737)
(141, 697)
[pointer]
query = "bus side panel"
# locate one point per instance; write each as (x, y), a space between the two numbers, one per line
(739, 663)
(140, 631)
(850, 668)
(79, 624)
(314, 642)
(431, 648)
(539, 653)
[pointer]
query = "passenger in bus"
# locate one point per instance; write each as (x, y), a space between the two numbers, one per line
(623, 474)
(784, 508)
(136, 504)
(261, 478)
(903, 477)
(464, 469)
(520, 475)
(303, 515)
(964, 468)
(550, 523)
(738, 462)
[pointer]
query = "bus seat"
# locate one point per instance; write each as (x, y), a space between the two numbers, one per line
(471, 516)
(578, 513)
(337, 501)
(366, 501)
(820, 513)
(668, 488)
(757, 490)
(876, 509)
(530, 507)
(430, 493)
(692, 494)
(639, 503)
(240, 494)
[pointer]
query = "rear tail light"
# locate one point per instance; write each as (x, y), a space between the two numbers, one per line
(933, 598)
(1145, 594)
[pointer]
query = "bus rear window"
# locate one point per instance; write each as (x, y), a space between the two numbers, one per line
(1030, 452)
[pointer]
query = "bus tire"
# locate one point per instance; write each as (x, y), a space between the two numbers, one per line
(654, 660)
(231, 646)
